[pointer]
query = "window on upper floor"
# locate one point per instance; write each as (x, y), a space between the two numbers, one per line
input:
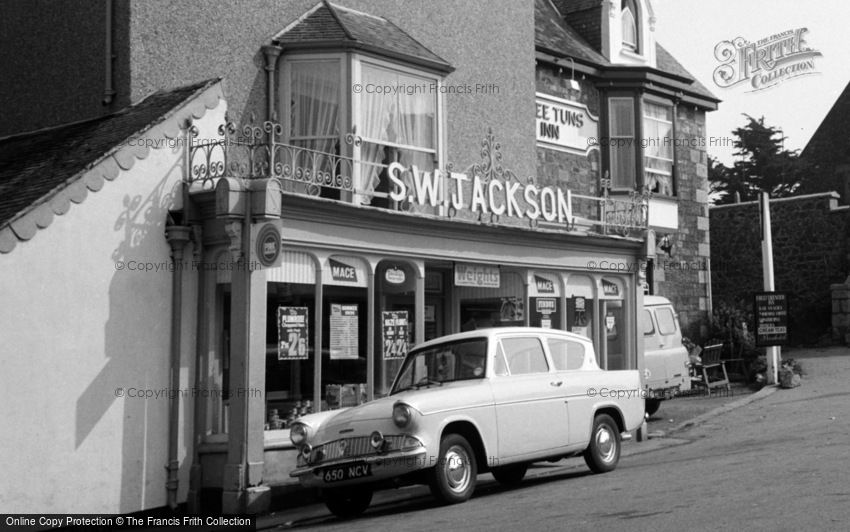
(621, 127)
(658, 148)
(641, 152)
(629, 18)
(356, 93)
(394, 110)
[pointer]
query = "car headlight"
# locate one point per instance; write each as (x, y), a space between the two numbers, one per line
(298, 433)
(402, 414)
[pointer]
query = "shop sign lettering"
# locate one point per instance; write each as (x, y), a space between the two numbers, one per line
(609, 288)
(564, 125)
(477, 275)
(544, 286)
(492, 196)
(342, 272)
(395, 276)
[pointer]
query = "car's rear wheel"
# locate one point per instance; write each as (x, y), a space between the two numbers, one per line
(510, 475)
(453, 478)
(652, 406)
(348, 503)
(603, 452)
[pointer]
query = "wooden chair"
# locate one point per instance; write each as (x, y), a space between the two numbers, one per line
(711, 372)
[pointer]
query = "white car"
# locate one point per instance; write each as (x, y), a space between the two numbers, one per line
(665, 357)
(487, 400)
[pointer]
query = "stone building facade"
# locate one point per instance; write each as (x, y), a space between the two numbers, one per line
(584, 64)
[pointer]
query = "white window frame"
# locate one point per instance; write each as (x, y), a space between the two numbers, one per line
(612, 145)
(351, 101)
(646, 170)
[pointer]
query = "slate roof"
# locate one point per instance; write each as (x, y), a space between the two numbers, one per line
(554, 35)
(665, 62)
(328, 24)
(32, 165)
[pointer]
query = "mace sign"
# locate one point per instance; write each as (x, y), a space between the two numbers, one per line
(565, 125)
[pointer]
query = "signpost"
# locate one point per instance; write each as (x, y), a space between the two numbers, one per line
(773, 351)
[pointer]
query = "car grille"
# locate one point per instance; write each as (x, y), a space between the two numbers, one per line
(352, 448)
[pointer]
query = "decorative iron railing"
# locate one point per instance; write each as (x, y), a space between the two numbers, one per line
(257, 151)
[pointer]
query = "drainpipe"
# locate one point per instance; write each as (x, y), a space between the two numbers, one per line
(109, 90)
(177, 237)
(272, 52)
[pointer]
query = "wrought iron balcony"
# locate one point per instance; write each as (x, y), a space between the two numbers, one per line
(339, 172)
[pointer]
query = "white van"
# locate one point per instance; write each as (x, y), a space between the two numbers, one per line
(665, 358)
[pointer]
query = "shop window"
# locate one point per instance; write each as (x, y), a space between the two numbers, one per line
(395, 303)
(482, 307)
(621, 123)
(566, 354)
(615, 335)
(629, 18)
(658, 148)
(580, 316)
(290, 334)
(524, 356)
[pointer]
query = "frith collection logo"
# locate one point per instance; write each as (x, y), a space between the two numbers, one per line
(766, 62)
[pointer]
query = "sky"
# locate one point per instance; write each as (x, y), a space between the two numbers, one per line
(690, 30)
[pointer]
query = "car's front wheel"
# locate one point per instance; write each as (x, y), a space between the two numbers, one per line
(453, 478)
(603, 451)
(348, 503)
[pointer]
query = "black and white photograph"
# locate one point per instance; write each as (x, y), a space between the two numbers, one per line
(343, 265)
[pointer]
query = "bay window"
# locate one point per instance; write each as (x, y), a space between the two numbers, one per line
(641, 145)
(391, 109)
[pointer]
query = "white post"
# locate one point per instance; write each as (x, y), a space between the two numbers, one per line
(773, 352)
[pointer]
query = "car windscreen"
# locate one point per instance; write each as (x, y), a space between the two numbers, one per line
(452, 361)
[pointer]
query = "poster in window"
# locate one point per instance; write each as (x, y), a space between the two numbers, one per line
(344, 330)
(292, 333)
(394, 326)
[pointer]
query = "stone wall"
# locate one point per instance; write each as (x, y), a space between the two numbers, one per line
(682, 275)
(810, 252)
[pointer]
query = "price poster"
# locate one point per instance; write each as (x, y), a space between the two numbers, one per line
(292, 333)
(394, 326)
(344, 331)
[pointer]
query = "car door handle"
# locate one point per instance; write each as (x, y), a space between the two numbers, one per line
(556, 383)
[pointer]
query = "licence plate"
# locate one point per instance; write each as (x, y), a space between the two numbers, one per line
(346, 472)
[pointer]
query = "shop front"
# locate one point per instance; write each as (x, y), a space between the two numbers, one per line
(355, 287)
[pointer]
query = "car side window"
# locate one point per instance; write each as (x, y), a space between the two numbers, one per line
(666, 320)
(648, 327)
(566, 354)
(525, 355)
(500, 367)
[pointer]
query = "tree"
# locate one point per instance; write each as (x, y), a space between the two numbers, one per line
(763, 165)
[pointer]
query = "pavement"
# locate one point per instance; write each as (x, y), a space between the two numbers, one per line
(669, 427)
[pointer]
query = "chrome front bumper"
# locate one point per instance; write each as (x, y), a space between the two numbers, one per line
(382, 466)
